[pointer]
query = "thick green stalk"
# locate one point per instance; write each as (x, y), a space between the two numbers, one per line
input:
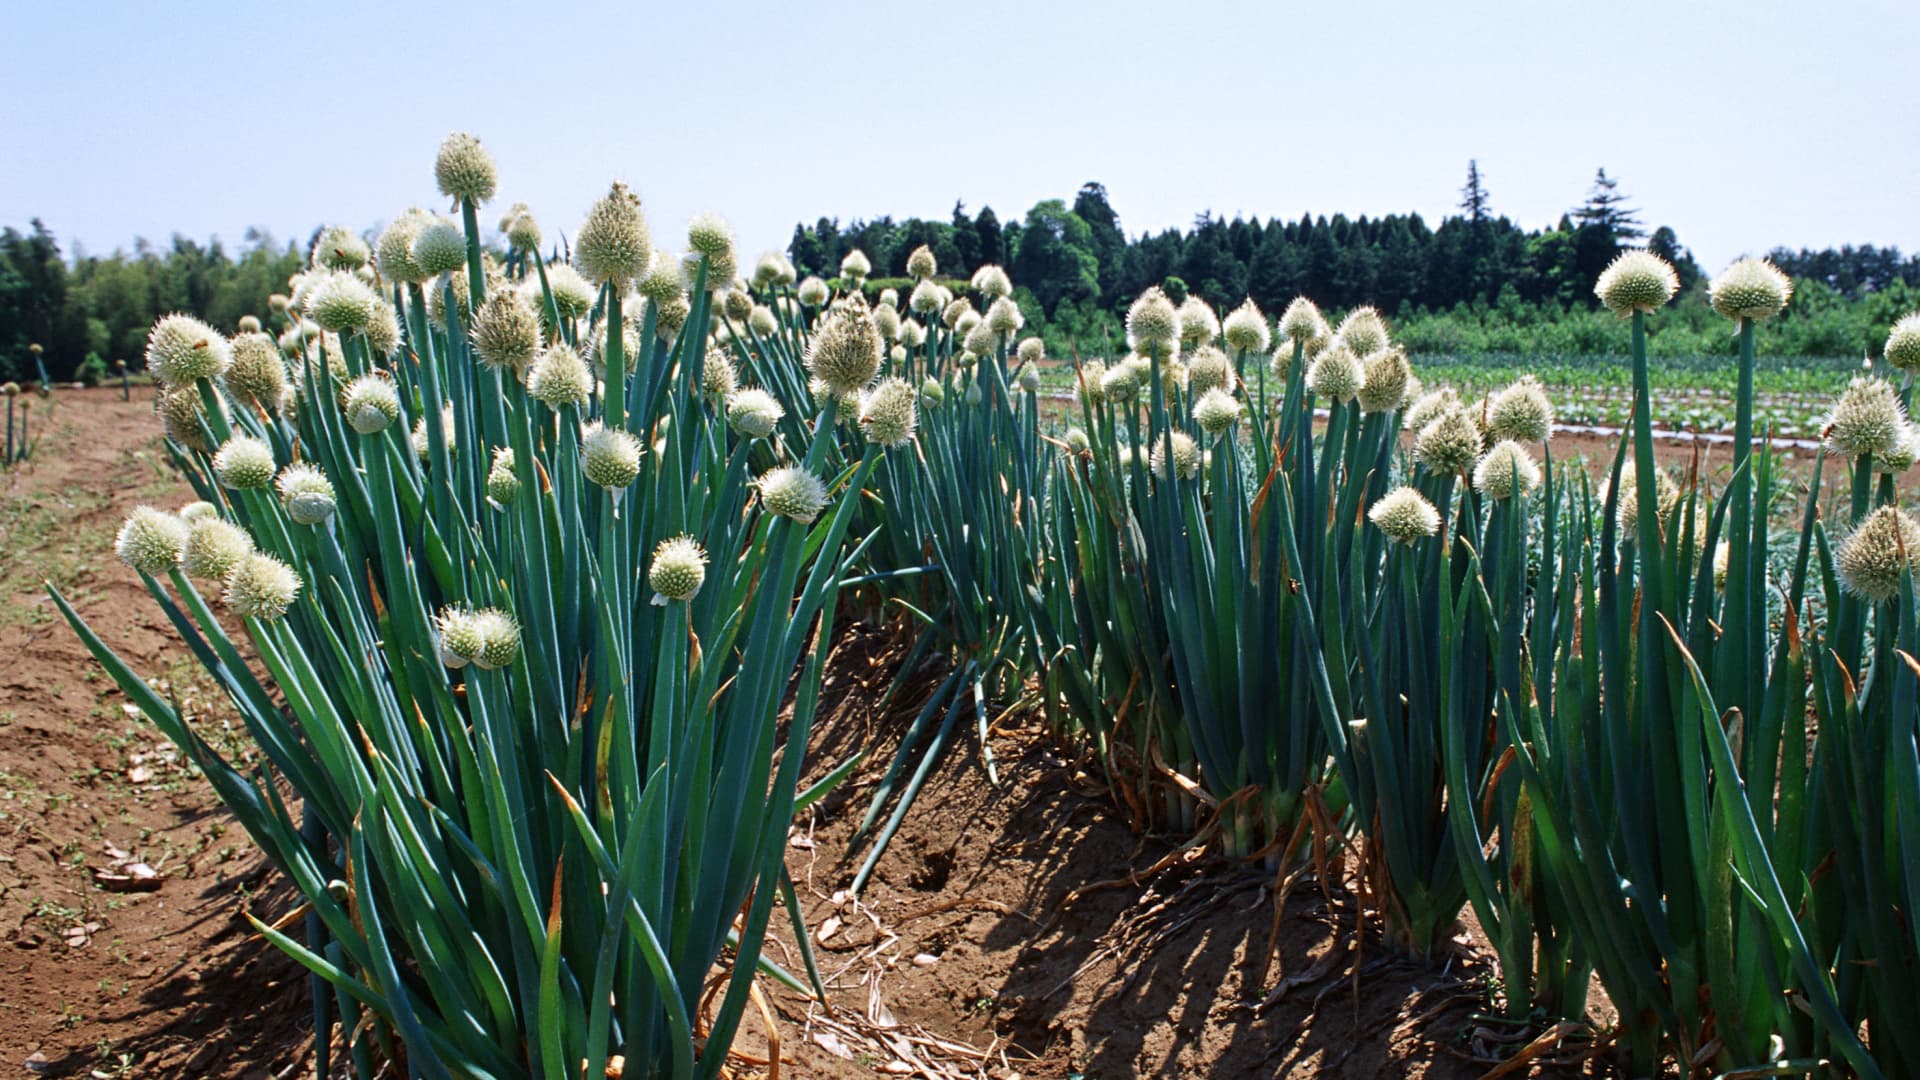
(476, 270)
(614, 400)
(1741, 643)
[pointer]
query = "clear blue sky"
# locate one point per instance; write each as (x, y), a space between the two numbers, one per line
(1743, 125)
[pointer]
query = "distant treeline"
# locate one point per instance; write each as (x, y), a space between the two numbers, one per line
(1477, 282)
(90, 311)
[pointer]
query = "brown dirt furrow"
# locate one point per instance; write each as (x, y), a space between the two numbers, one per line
(92, 981)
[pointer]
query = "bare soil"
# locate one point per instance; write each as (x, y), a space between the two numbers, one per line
(161, 983)
(1019, 928)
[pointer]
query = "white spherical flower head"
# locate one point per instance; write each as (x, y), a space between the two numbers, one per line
(261, 587)
(718, 379)
(439, 247)
(244, 463)
(151, 541)
(952, 311)
(736, 304)
(1207, 369)
(1280, 367)
(1031, 350)
(1450, 443)
(1336, 374)
(1636, 281)
(1153, 323)
(679, 569)
(257, 376)
(609, 457)
(573, 297)
(926, 298)
(754, 413)
(1004, 318)
(668, 318)
(393, 250)
(762, 321)
(298, 284)
(1903, 343)
(1427, 408)
(792, 492)
(813, 292)
(1750, 289)
(339, 249)
(1880, 548)
(506, 332)
(560, 377)
(991, 282)
(1186, 455)
(1905, 451)
(464, 170)
(887, 321)
(856, 266)
(613, 244)
(965, 323)
(184, 414)
(920, 264)
(383, 330)
(1364, 331)
(1087, 382)
(846, 348)
(198, 509)
(1386, 378)
(182, 349)
(1120, 383)
(1507, 471)
(1866, 420)
(665, 280)
(1029, 378)
(370, 403)
(1245, 330)
(459, 636)
(889, 412)
(1076, 440)
(503, 483)
(772, 269)
(1216, 411)
(214, 547)
(1302, 321)
(307, 493)
(1522, 412)
(709, 235)
(979, 338)
(523, 233)
(340, 303)
(1198, 323)
(466, 635)
(498, 634)
(1666, 496)
(1404, 516)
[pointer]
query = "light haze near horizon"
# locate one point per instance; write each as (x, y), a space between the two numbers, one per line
(1743, 126)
